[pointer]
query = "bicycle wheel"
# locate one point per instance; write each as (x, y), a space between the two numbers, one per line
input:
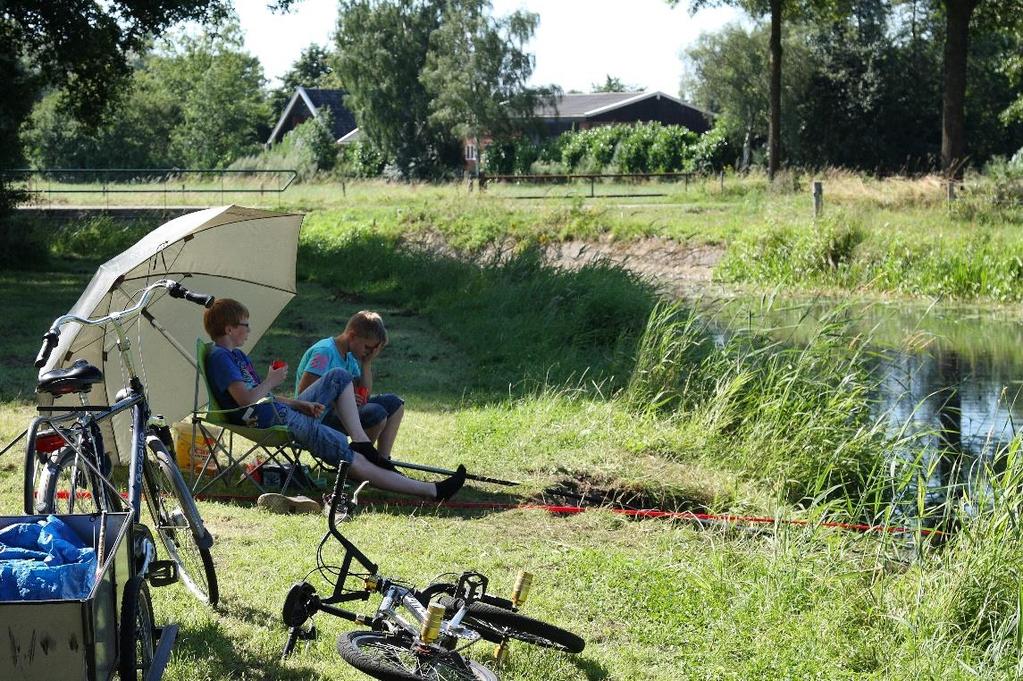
(392, 657)
(63, 487)
(137, 642)
(495, 624)
(179, 525)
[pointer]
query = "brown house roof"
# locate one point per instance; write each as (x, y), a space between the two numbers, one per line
(624, 107)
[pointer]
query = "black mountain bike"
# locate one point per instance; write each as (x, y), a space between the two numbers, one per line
(414, 634)
(67, 469)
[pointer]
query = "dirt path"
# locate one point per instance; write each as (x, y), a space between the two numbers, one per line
(675, 267)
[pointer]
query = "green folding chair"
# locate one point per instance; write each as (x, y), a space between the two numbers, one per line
(274, 445)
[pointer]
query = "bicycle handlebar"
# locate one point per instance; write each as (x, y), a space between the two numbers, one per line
(49, 343)
(175, 290)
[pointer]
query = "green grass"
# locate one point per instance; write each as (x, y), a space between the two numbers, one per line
(600, 388)
(877, 237)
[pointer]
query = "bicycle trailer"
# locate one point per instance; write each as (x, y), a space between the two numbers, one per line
(80, 638)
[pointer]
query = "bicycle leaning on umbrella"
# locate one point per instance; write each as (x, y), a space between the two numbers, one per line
(67, 471)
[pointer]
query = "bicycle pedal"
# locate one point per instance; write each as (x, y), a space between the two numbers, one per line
(307, 634)
(162, 572)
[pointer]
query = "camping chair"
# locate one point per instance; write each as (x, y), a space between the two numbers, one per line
(275, 444)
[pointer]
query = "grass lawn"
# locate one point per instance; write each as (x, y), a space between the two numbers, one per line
(549, 377)
(888, 237)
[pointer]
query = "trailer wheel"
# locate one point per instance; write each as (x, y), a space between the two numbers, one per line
(137, 639)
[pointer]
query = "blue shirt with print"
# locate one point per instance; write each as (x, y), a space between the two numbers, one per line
(323, 356)
(224, 367)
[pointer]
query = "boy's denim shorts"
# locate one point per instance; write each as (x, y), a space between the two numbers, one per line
(326, 443)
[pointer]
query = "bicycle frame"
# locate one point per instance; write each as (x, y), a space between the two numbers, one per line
(394, 594)
(87, 417)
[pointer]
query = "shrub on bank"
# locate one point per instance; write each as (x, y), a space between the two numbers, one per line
(566, 323)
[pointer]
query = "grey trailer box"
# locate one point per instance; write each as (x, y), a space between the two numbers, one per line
(70, 639)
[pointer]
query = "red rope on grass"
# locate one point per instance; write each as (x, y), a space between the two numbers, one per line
(633, 513)
(658, 513)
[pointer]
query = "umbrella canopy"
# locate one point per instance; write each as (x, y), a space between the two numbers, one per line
(229, 252)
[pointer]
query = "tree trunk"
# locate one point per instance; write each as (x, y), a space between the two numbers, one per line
(953, 110)
(774, 127)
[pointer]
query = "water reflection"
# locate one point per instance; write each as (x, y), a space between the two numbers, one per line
(948, 383)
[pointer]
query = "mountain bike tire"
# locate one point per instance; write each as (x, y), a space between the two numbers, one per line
(136, 636)
(392, 657)
(179, 525)
(495, 624)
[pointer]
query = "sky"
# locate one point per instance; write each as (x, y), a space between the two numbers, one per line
(578, 42)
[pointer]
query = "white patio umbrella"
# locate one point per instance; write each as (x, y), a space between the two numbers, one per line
(228, 252)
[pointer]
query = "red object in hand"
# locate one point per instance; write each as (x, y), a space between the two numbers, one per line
(278, 363)
(362, 392)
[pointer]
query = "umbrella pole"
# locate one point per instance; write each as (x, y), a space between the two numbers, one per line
(445, 471)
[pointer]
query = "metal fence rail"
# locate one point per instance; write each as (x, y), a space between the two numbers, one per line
(113, 180)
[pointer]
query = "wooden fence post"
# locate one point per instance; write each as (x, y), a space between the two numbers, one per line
(818, 198)
(721, 177)
(950, 191)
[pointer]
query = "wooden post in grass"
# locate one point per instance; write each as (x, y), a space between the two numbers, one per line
(818, 198)
(950, 190)
(721, 178)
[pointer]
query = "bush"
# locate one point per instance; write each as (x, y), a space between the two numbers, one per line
(308, 149)
(640, 148)
(23, 243)
(499, 157)
(712, 151)
(633, 152)
(362, 159)
(672, 150)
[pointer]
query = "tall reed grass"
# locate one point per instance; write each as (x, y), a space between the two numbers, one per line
(799, 417)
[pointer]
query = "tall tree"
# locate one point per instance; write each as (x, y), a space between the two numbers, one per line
(382, 48)
(220, 90)
(777, 11)
(476, 70)
(729, 77)
(82, 44)
(953, 106)
(773, 9)
(1003, 15)
(614, 84)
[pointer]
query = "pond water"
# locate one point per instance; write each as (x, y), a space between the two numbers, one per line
(949, 379)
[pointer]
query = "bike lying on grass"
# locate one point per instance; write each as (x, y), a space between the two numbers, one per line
(68, 468)
(414, 634)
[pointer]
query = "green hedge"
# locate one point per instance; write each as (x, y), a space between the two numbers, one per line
(617, 148)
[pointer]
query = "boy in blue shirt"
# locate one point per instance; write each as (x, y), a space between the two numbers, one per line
(354, 350)
(235, 382)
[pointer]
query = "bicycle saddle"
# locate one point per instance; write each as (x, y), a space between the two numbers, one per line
(77, 378)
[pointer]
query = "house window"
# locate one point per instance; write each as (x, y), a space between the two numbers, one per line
(470, 152)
